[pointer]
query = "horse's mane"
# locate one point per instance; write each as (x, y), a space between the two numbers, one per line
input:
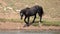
(27, 8)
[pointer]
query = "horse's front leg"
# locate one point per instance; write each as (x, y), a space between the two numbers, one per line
(27, 24)
(28, 20)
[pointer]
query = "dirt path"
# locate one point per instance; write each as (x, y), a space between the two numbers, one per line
(19, 26)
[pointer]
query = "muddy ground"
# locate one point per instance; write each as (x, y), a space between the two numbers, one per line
(19, 26)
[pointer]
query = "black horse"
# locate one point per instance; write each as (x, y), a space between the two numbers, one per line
(27, 12)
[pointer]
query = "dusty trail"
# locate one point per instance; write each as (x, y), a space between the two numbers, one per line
(19, 26)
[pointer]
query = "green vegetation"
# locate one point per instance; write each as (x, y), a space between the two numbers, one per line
(52, 23)
(10, 20)
(48, 23)
(45, 22)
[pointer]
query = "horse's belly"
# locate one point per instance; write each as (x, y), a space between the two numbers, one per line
(31, 15)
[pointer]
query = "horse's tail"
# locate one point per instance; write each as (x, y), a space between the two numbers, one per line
(40, 10)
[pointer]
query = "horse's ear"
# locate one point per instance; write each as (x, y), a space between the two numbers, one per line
(19, 10)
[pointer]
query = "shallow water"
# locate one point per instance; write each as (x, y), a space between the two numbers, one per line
(29, 32)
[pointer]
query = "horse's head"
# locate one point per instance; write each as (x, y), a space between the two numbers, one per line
(21, 14)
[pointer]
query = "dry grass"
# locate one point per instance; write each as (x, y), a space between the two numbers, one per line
(51, 9)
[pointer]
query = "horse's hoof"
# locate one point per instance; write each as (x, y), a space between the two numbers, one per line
(26, 25)
(30, 23)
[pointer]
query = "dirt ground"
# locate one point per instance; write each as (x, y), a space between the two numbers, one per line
(19, 26)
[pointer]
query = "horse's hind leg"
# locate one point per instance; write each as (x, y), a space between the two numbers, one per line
(28, 20)
(40, 18)
(40, 15)
(40, 21)
(33, 20)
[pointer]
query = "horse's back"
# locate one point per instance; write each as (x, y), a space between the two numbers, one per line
(38, 8)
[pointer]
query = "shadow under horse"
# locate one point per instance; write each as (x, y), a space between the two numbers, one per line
(28, 12)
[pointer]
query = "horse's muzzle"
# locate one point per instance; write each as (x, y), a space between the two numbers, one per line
(21, 18)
